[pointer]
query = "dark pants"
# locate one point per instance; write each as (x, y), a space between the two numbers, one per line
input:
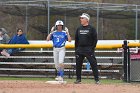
(14, 50)
(93, 63)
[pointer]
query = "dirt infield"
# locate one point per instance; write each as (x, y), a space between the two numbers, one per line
(42, 87)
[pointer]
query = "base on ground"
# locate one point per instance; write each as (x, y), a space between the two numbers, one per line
(56, 82)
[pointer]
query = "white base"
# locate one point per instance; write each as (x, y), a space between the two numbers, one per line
(56, 82)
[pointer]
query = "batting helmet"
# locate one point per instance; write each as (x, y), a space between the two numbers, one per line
(59, 22)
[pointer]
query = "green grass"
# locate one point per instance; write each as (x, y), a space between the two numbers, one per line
(85, 81)
(103, 81)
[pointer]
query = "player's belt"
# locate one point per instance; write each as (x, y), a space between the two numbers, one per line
(58, 46)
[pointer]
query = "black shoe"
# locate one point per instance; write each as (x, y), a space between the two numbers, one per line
(77, 82)
(97, 82)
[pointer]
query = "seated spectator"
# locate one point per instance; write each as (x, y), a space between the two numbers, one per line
(19, 38)
(4, 38)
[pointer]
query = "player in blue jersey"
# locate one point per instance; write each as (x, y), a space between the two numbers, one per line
(59, 38)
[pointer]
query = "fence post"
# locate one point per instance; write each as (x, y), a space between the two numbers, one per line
(128, 80)
(125, 60)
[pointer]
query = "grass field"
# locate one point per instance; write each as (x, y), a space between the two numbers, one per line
(85, 81)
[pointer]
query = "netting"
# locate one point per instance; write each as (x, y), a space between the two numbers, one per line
(36, 17)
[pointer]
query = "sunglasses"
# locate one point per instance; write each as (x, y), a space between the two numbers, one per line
(82, 18)
(19, 31)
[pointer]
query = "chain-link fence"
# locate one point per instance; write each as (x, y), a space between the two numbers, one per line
(36, 17)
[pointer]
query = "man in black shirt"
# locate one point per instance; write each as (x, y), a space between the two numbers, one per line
(85, 43)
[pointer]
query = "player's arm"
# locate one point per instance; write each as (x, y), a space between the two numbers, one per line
(67, 32)
(69, 38)
(94, 35)
(49, 36)
(76, 39)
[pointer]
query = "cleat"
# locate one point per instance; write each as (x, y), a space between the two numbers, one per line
(62, 82)
(59, 78)
(77, 82)
(97, 82)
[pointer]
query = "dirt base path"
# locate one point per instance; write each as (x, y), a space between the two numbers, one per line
(42, 87)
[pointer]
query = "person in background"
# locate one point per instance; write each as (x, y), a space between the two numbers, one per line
(59, 38)
(85, 43)
(4, 38)
(19, 38)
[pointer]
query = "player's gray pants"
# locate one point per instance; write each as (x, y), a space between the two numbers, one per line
(59, 55)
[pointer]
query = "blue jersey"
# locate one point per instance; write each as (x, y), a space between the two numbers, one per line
(59, 39)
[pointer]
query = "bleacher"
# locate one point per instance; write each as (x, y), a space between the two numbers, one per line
(38, 62)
